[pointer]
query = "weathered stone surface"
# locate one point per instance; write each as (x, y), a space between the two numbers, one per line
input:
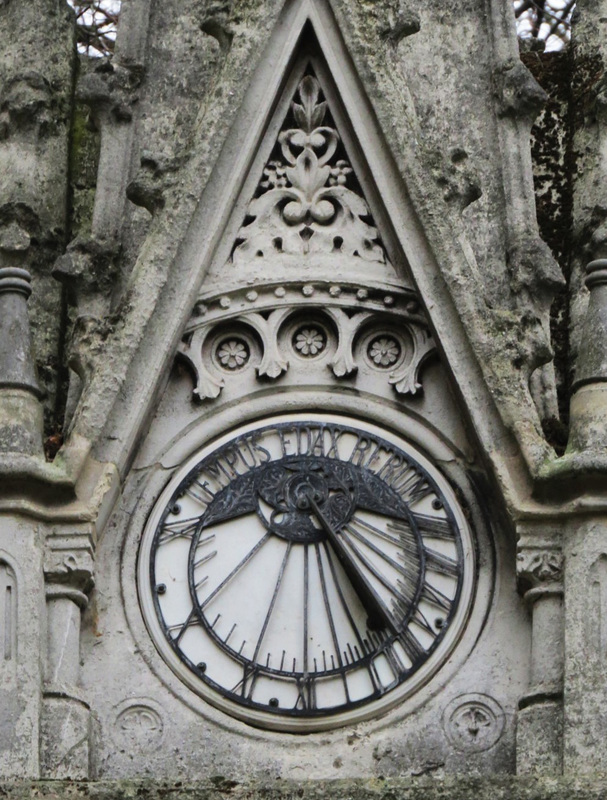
(218, 787)
(36, 86)
(170, 237)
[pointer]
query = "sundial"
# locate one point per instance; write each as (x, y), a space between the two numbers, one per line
(306, 572)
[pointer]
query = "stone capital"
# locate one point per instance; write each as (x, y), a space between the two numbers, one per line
(539, 568)
(69, 559)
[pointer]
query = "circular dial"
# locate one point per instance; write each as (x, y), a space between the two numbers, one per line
(306, 572)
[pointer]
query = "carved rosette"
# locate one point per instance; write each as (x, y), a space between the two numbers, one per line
(280, 328)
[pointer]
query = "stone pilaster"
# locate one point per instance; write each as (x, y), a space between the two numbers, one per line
(540, 719)
(65, 717)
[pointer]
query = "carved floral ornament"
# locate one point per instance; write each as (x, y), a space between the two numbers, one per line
(308, 217)
(303, 204)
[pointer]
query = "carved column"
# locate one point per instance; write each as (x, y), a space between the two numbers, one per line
(589, 400)
(540, 719)
(20, 408)
(585, 721)
(65, 722)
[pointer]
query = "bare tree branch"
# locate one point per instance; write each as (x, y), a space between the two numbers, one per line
(97, 22)
(547, 21)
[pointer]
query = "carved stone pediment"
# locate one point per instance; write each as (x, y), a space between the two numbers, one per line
(308, 275)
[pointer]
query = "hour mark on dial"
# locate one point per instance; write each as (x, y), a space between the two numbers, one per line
(204, 559)
(242, 563)
(181, 627)
(231, 631)
(348, 612)
(273, 600)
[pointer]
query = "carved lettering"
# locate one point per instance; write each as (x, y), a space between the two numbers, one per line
(360, 452)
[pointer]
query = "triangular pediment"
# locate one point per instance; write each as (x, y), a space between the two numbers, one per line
(305, 212)
(311, 191)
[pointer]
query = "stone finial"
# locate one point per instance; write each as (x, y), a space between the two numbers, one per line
(17, 370)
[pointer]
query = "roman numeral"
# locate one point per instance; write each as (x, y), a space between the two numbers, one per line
(436, 597)
(442, 564)
(246, 684)
(306, 694)
(411, 646)
(180, 529)
(435, 527)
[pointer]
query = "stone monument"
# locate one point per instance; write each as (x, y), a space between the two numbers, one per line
(283, 508)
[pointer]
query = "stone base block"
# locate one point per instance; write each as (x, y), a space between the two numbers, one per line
(539, 736)
(64, 738)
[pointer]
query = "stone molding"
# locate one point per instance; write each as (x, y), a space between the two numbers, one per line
(338, 315)
(416, 787)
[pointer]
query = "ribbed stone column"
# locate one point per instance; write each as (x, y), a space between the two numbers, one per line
(589, 400)
(20, 409)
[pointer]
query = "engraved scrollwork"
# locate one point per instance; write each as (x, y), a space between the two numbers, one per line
(312, 322)
(406, 379)
(208, 386)
(343, 363)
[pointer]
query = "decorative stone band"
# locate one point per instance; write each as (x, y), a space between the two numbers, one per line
(13, 279)
(17, 370)
(294, 322)
(592, 362)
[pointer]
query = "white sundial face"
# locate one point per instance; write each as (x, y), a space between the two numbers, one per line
(306, 572)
